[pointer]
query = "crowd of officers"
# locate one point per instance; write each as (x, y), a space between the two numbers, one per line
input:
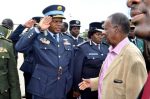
(54, 63)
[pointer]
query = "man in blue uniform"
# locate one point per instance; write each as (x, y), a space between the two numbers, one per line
(89, 58)
(29, 63)
(75, 31)
(74, 28)
(52, 76)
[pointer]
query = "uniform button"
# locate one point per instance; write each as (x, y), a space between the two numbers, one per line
(59, 56)
(39, 78)
(2, 56)
(58, 78)
(93, 58)
(58, 45)
(102, 54)
(45, 48)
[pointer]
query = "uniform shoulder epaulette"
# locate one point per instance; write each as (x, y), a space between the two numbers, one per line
(82, 43)
(5, 39)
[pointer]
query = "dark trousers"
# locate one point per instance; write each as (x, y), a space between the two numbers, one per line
(38, 97)
(27, 77)
(70, 95)
(88, 94)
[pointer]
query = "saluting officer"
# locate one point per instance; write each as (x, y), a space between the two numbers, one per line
(74, 27)
(89, 58)
(52, 76)
(29, 62)
(9, 80)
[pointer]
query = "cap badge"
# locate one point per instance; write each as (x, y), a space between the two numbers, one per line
(77, 22)
(59, 8)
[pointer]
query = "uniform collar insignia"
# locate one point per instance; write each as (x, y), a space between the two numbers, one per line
(66, 42)
(3, 49)
(44, 41)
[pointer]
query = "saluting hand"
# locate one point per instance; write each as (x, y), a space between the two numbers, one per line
(86, 83)
(45, 22)
(29, 23)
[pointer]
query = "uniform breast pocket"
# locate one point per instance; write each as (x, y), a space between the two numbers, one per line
(93, 61)
(4, 58)
(92, 57)
(68, 50)
(45, 47)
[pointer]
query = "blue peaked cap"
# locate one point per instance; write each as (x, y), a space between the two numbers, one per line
(54, 11)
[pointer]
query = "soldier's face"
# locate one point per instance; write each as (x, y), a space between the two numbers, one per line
(140, 13)
(55, 25)
(75, 31)
(97, 37)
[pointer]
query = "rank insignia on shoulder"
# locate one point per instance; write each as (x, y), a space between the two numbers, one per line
(3, 49)
(44, 41)
(66, 42)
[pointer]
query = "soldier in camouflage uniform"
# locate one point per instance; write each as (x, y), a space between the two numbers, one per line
(9, 80)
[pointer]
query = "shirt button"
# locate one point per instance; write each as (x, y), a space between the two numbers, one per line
(59, 56)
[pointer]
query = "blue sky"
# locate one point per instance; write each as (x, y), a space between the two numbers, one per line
(84, 10)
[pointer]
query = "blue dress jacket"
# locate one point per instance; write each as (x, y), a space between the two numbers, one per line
(52, 77)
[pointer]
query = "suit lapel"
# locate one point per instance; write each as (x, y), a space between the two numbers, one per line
(113, 65)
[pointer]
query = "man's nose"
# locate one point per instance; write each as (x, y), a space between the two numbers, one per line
(131, 2)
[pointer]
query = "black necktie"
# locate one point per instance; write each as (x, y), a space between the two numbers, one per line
(134, 41)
